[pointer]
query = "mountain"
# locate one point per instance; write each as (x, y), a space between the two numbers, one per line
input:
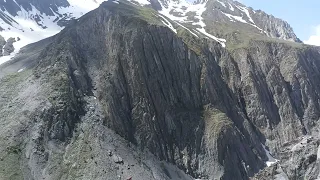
(30, 21)
(128, 91)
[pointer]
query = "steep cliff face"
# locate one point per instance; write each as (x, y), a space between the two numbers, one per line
(118, 94)
(280, 97)
(274, 27)
(277, 78)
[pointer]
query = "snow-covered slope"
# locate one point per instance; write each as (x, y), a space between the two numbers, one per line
(28, 24)
(219, 17)
(29, 21)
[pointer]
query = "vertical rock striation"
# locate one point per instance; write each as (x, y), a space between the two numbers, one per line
(119, 95)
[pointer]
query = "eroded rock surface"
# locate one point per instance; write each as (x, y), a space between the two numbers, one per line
(8, 48)
(119, 95)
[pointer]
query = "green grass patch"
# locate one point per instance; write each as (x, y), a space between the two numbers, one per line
(216, 122)
(133, 11)
(194, 43)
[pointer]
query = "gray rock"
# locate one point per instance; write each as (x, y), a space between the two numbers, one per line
(175, 108)
(8, 48)
(2, 43)
(299, 160)
(117, 159)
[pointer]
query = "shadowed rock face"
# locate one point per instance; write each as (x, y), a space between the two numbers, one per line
(114, 96)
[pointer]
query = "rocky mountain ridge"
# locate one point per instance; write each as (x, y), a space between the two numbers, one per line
(124, 93)
(221, 20)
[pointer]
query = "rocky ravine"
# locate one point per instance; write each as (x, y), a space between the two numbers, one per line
(119, 95)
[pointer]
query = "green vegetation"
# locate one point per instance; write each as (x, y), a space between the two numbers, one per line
(13, 150)
(60, 89)
(10, 85)
(216, 122)
(10, 154)
(132, 11)
(194, 43)
(149, 15)
(14, 78)
(10, 163)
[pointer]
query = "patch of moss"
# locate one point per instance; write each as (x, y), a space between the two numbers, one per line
(60, 89)
(78, 157)
(134, 11)
(15, 78)
(13, 150)
(239, 35)
(10, 163)
(10, 85)
(149, 15)
(190, 40)
(216, 122)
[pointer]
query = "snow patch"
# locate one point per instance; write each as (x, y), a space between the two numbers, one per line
(27, 29)
(183, 7)
(167, 23)
(20, 70)
(240, 19)
(141, 2)
(237, 18)
(231, 7)
(187, 29)
(30, 31)
(271, 160)
(220, 40)
(199, 9)
(318, 153)
(222, 3)
(245, 10)
(4, 59)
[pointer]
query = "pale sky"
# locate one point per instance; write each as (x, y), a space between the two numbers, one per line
(303, 16)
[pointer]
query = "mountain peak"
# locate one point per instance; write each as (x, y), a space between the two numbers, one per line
(217, 20)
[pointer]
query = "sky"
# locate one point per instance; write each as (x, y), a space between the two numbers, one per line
(303, 16)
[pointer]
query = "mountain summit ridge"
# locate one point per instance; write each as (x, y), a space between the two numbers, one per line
(31, 21)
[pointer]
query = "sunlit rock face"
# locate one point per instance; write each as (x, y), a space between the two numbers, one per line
(136, 90)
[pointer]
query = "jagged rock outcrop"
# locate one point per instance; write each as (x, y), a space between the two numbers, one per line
(117, 95)
(274, 27)
(8, 47)
(280, 97)
(2, 43)
(299, 160)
